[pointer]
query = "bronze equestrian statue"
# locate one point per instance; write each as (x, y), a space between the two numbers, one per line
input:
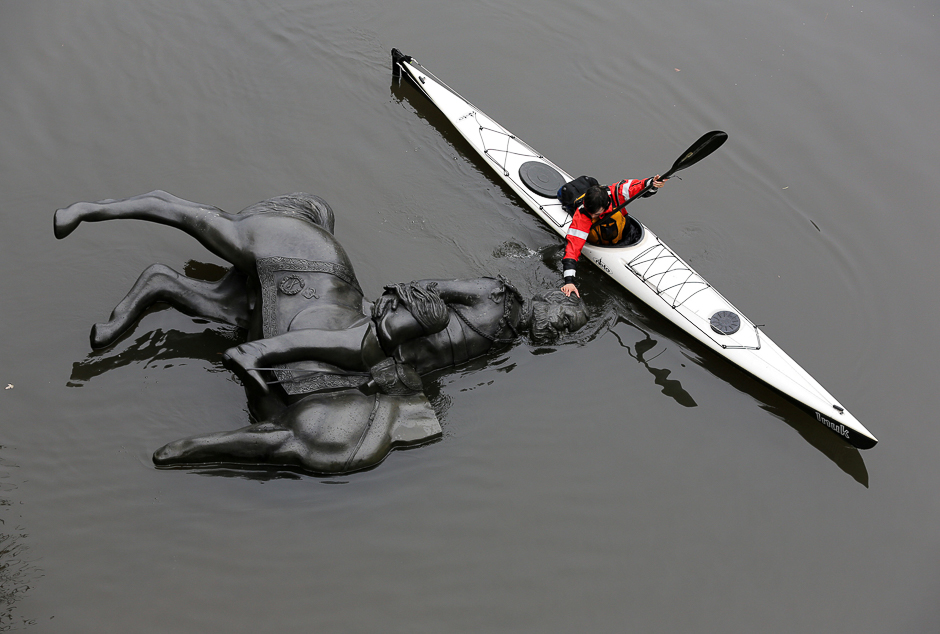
(332, 379)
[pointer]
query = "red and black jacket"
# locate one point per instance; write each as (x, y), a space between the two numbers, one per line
(581, 223)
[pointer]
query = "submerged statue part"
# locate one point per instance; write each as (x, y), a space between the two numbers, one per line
(333, 379)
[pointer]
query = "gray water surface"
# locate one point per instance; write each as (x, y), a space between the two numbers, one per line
(631, 481)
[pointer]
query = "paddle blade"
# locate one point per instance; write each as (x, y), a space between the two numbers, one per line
(707, 144)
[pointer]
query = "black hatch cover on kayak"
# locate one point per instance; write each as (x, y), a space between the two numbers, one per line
(543, 179)
(724, 322)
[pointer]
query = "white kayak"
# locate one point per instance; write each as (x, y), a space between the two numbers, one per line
(647, 268)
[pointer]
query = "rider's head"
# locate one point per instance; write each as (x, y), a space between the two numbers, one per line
(554, 314)
(596, 200)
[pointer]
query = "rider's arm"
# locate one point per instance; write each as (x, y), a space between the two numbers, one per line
(631, 187)
(464, 292)
(574, 242)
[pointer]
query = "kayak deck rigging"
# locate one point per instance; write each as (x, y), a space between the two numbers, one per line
(674, 281)
(670, 278)
(664, 272)
(498, 145)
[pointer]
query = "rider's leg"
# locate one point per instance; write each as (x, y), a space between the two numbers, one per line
(353, 349)
(225, 300)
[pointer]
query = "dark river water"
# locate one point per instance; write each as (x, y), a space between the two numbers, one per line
(628, 481)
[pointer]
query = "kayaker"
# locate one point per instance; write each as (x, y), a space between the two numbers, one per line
(595, 222)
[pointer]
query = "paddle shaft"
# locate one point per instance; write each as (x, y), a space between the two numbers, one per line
(707, 144)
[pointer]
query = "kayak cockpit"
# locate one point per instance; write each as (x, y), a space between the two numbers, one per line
(633, 233)
(543, 179)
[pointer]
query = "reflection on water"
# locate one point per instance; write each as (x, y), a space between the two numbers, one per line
(17, 572)
(257, 474)
(844, 455)
(671, 387)
(158, 345)
(204, 271)
(616, 309)
(612, 312)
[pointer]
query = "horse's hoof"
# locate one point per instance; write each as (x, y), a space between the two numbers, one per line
(162, 456)
(168, 454)
(101, 336)
(65, 221)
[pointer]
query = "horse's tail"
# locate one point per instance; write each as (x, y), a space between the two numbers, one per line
(307, 206)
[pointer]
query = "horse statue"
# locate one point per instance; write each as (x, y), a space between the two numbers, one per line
(333, 380)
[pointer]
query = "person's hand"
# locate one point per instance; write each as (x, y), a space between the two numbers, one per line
(568, 289)
(386, 302)
(658, 183)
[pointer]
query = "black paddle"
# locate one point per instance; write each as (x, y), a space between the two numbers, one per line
(709, 142)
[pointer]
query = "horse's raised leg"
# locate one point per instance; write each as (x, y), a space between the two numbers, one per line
(214, 228)
(324, 433)
(327, 449)
(225, 300)
(261, 443)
